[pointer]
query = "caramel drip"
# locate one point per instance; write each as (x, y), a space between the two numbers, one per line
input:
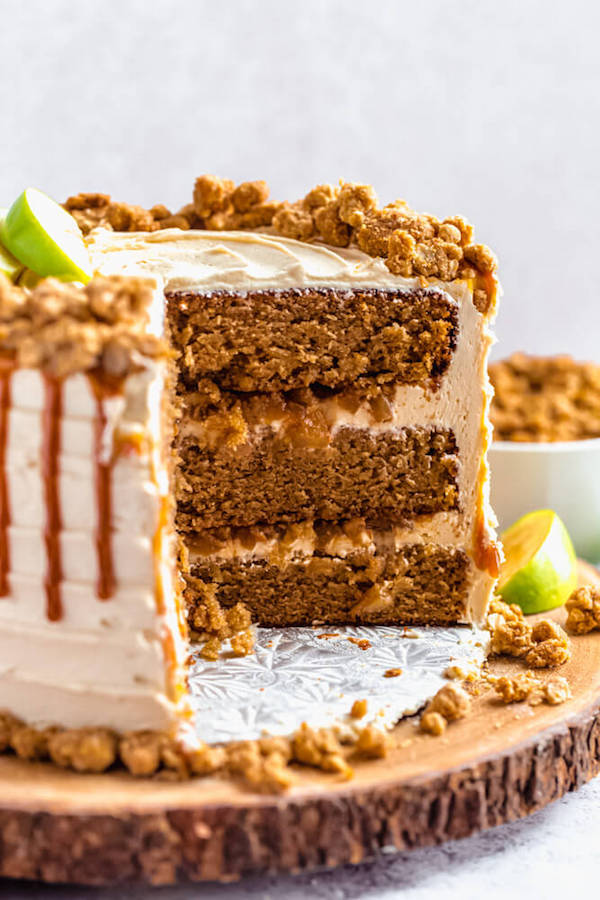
(486, 552)
(6, 369)
(106, 583)
(51, 421)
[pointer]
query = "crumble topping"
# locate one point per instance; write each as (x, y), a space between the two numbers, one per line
(450, 703)
(550, 646)
(515, 688)
(373, 743)
(320, 747)
(359, 707)
(262, 764)
(543, 645)
(392, 673)
(212, 623)
(90, 210)
(525, 686)
(556, 690)
(210, 618)
(242, 643)
(466, 672)
(583, 610)
(211, 649)
(510, 632)
(83, 749)
(433, 723)
(545, 399)
(63, 328)
(411, 243)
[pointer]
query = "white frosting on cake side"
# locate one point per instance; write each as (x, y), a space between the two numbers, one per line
(103, 661)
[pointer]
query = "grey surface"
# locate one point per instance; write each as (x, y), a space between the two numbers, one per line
(490, 109)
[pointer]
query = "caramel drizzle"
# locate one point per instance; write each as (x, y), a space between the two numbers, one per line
(51, 420)
(6, 369)
(106, 581)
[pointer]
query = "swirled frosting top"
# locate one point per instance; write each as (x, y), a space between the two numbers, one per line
(237, 261)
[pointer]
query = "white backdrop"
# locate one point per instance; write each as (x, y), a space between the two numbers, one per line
(481, 107)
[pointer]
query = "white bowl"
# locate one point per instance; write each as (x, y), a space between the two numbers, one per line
(563, 476)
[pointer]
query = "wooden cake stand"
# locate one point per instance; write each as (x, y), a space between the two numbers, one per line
(500, 763)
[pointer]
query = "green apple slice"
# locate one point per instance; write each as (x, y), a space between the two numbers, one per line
(45, 238)
(540, 570)
(9, 265)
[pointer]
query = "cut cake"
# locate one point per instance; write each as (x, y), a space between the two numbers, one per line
(278, 405)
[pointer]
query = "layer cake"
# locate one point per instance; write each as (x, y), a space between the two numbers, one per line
(289, 418)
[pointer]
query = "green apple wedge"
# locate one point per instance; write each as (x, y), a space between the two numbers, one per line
(45, 238)
(540, 568)
(9, 265)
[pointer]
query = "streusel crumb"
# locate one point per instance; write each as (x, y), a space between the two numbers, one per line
(8, 724)
(556, 690)
(550, 646)
(31, 743)
(359, 709)
(248, 195)
(212, 194)
(412, 244)
(205, 760)
(242, 643)
(262, 769)
(63, 329)
(83, 749)
(238, 618)
(374, 743)
(295, 222)
(515, 688)
(320, 748)
(545, 399)
(451, 701)
(583, 610)
(140, 752)
(510, 632)
(433, 723)
(211, 648)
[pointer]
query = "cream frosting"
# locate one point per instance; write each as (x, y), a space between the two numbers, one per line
(237, 261)
(103, 663)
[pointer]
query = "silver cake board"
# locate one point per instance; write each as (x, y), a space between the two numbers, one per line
(314, 675)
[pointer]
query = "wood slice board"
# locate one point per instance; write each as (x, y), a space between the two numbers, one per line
(499, 764)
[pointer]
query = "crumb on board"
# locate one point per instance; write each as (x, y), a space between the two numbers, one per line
(583, 610)
(541, 645)
(361, 643)
(556, 690)
(515, 688)
(359, 709)
(449, 704)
